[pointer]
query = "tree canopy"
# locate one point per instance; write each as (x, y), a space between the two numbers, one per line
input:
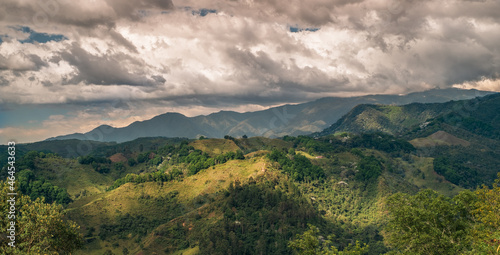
(40, 227)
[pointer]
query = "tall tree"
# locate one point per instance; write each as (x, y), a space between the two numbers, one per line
(487, 213)
(40, 227)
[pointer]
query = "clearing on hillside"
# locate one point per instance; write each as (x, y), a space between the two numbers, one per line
(215, 147)
(439, 138)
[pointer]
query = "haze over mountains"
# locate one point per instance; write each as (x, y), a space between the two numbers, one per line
(293, 120)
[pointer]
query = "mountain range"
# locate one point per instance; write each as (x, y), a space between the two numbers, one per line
(298, 119)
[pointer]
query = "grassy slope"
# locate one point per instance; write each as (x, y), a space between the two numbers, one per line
(77, 179)
(420, 172)
(127, 198)
(439, 138)
(354, 204)
(261, 143)
(215, 146)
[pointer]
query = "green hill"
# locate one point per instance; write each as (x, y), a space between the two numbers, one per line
(462, 135)
(479, 116)
(197, 196)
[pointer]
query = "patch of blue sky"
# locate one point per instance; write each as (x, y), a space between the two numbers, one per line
(38, 37)
(203, 12)
(4, 38)
(295, 29)
(28, 115)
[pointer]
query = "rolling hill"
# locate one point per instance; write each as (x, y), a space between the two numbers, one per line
(462, 135)
(480, 116)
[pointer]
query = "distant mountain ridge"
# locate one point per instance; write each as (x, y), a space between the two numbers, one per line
(293, 120)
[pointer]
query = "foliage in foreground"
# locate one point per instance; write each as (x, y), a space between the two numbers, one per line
(429, 223)
(40, 228)
(487, 213)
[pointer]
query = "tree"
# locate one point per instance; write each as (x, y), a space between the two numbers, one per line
(429, 223)
(309, 243)
(119, 166)
(40, 228)
(487, 212)
(132, 162)
(143, 157)
(244, 137)
(239, 155)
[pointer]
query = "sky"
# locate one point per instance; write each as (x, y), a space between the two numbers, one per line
(70, 66)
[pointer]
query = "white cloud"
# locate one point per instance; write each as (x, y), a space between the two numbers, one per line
(484, 84)
(169, 58)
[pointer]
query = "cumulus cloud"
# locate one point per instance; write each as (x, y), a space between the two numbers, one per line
(108, 69)
(21, 62)
(236, 54)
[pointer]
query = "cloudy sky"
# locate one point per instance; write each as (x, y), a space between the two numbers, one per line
(69, 66)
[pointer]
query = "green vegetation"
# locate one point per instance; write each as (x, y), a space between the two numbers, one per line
(369, 169)
(297, 166)
(194, 160)
(310, 243)
(429, 223)
(259, 218)
(455, 172)
(218, 201)
(29, 185)
(99, 164)
(139, 225)
(148, 177)
(40, 227)
(486, 233)
(335, 144)
(38, 187)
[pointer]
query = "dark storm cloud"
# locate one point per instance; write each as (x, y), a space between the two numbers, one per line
(315, 13)
(276, 75)
(21, 62)
(84, 14)
(264, 50)
(105, 70)
(83, 17)
(159, 79)
(3, 81)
